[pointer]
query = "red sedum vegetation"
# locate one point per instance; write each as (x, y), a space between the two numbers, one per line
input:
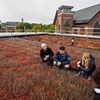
(23, 78)
(80, 42)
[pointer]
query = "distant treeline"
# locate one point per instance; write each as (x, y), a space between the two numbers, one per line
(34, 27)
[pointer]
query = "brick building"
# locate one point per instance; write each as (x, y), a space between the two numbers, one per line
(9, 26)
(84, 21)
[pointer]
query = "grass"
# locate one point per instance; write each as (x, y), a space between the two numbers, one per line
(44, 83)
(23, 78)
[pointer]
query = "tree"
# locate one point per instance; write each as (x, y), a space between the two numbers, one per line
(27, 25)
(20, 26)
(28, 30)
(34, 27)
(37, 27)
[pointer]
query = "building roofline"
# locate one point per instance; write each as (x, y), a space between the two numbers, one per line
(77, 21)
(64, 6)
(88, 7)
(85, 21)
(94, 16)
(55, 17)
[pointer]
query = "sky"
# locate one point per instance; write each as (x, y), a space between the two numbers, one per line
(37, 11)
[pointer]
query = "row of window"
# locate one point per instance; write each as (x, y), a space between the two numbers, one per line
(66, 23)
(96, 30)
(66, 10)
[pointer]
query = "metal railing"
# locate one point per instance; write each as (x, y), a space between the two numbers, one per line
(57, 32)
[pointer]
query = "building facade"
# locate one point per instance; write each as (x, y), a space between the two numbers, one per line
(85, 21)
(9, 26)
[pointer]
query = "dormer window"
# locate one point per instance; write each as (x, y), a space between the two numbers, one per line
(65, 9)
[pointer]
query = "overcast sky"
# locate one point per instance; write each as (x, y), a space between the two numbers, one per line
(37, 11)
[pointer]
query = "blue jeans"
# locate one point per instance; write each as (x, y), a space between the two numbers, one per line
(83, 73)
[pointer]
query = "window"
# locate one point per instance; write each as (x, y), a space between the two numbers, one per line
(66, 25)
(66, 10)
(75, 31)
(96, 30)
(59, 21)
(59, 25)
(66, 22)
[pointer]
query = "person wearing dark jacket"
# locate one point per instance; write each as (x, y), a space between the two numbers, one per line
(86, 65)
(46, 54)
(96, 79)
(62, 59)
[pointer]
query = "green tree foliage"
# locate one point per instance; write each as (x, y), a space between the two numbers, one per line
(20, 26)
(37, 27)
(28, 30)
(27, 25)
(34, 27)
(19, 30)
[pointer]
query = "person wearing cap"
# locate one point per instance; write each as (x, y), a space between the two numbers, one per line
(62, 58)
(46, 54)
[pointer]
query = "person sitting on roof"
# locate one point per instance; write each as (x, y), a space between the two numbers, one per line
(46, 54)
(86, 65)
(62, 58)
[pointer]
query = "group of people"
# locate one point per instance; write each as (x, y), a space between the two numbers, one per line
(61, 59)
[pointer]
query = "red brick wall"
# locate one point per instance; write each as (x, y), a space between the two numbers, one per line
(88, 27)
(62, 16)
(84, 30)
(93, 21)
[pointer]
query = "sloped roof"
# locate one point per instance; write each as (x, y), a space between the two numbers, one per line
(85, 15)
(57, 12)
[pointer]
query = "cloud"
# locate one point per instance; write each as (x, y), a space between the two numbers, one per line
(37, 11)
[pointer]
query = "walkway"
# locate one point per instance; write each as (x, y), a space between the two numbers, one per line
(19, 34)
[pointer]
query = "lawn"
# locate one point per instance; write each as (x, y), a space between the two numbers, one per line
(22, 77)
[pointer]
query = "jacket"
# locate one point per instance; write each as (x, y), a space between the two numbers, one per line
(96, 93)
(47, 52)
(64, 59)
(92, 66)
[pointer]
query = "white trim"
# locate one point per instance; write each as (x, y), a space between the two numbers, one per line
(67, 18)
(59, 21)
(91, 28)
(84, 28)
(75, 28)
(65, 13)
